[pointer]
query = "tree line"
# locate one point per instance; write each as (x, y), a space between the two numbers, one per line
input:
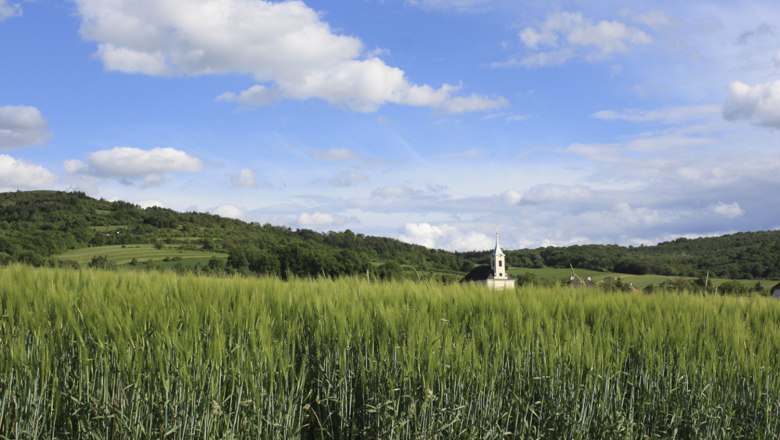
(35, 226)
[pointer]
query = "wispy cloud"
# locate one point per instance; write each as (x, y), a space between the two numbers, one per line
(9, 10)
(664, 115)
(567, 35)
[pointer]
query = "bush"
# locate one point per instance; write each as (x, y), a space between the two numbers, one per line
(102, 262)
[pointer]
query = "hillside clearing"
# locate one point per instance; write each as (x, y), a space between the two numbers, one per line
(124, 254)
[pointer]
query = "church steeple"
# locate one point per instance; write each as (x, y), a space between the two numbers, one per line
(498, 262)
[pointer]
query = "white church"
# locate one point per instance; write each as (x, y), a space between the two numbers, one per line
(494, 276)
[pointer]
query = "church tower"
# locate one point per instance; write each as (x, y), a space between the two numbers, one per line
(498, 262)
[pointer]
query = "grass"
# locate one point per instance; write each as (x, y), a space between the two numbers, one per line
(129, 355)
(123, 254)
(640, 281)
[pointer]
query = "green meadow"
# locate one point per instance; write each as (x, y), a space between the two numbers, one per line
(124, 254)
(640, 281)
(139, 355)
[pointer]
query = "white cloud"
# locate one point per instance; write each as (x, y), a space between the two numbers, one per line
(17, 174)
(472, 153)
(348, 178)
(129, 166)
(595, 152)
(335, 155)
(321, 219)
(776, 59)
(74, 166)
(286, 46)
(150, 203)
(555, 193)
(654, 18)
(565, 35)
(457, 5)
(759, 104)
(445, 237)
(131, 162)
(152, 180)
(666, 115)
(9, 10)
(21, 126)
(228, 211)
(512, 197)
(245, 179)
(667, 141)
(254, 96)
(643, 216)
(394, 192)
(728, 210)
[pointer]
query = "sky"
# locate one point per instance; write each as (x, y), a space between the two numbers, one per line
(436, 122)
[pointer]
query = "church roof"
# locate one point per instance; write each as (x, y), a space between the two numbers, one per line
(479, 273)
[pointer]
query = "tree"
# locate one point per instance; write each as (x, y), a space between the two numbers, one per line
(102, 262)
(733, 288)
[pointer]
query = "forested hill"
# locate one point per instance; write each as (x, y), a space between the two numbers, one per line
(743, 255)
(37, 225)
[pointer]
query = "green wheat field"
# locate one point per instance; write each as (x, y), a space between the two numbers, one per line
(136, 355)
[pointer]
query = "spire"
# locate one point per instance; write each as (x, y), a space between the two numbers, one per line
(498, 250)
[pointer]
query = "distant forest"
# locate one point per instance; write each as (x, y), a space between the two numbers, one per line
(35, 226)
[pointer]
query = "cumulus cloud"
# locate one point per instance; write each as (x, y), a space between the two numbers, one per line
(286, 46)
(759, 104)
(228, 211)
(445, 237)
(22, 126)
(9, 10)
(128, 163)
(321, 219)
(245, 179)
(17, 174)
(727, 210)
(565, 35)
(335, 155)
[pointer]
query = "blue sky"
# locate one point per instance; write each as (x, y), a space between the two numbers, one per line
(433, 121)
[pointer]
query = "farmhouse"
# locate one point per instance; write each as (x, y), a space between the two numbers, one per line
(493, 276)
